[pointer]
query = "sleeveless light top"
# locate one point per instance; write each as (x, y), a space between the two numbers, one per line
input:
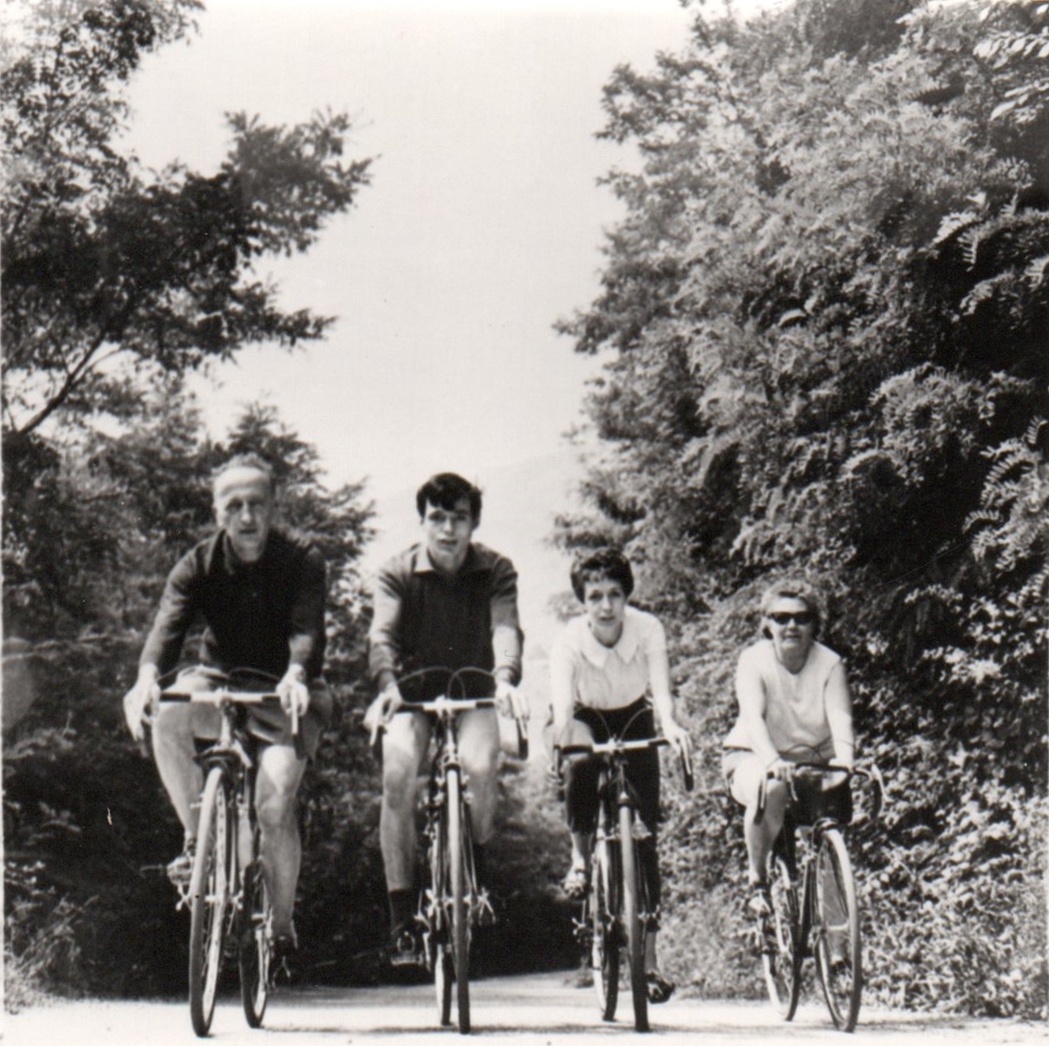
(795, 705)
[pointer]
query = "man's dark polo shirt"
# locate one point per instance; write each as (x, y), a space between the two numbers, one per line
(425, 619)
(261, 615)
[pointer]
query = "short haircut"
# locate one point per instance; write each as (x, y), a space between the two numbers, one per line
(446, 490)
(603, 564)
(792, 588)
(249, 460)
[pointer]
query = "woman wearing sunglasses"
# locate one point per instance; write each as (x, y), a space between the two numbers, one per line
(794, 706)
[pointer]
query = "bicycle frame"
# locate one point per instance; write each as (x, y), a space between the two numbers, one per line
(445, 712)
(617, 910)
(227, 892)
(452, 903)
(809, 874)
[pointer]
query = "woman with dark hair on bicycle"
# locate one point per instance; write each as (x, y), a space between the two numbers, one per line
(602, 666)
(794, 705)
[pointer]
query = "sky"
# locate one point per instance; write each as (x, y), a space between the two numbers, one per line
(482, 226)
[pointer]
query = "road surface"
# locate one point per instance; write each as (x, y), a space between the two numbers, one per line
(534, 1010)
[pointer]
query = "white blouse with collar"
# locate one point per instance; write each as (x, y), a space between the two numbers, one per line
(587, 674)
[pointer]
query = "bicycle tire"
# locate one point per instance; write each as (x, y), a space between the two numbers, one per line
(254, 944)
(439, 953)
(780, 954)
(635, 931)
(604, 946)
(838, 958)
(460, 911)
(209, 898)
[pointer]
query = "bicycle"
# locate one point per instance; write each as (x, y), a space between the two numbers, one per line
(616, 912)
(227, 895)
(812, 887)
(451, 902)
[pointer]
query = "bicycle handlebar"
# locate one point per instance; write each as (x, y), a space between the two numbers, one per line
(617, 745)
(224, 696)
(821, 770)
(220, 696)
(445, 706)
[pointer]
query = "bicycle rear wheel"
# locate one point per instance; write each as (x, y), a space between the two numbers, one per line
(209, 898)
(780, 955)
(254, 945)
(837, 930)
(604, 945)
(632, 908)
(458, 885)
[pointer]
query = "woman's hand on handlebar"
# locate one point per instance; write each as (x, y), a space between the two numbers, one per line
(383, 709)
(678, 737)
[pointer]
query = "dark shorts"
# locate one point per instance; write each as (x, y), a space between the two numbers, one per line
(634, 722)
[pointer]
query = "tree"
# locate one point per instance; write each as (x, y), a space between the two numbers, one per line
(115, 283)
(112, 277)
(824, 319)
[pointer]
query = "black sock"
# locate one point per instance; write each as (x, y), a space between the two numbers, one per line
(402, 910)
(480, 864)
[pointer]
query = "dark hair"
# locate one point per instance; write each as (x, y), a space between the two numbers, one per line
(249, 460)
(446, 490)
(604, 564)
(792, 588)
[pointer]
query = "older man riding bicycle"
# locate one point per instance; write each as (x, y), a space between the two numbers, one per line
(261, 596)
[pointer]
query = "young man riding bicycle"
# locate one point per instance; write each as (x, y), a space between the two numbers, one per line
(446, 602)
(261, 596)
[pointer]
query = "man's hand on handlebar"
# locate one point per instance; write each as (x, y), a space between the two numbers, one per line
(383, 709)
(293, 693)
(141, 701)
(509, 702)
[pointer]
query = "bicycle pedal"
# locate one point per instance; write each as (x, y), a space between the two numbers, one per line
(483, 910)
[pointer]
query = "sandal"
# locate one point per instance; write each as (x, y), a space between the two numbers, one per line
(659, 988)
(180, 870)
(759, 904)
(574, 883)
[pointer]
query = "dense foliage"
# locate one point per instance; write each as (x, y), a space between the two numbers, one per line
(117, 284)
(824, 323)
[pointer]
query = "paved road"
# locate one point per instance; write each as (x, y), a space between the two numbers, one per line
(537, 1010)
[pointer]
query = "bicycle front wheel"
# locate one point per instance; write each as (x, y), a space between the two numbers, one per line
(601, 917)
(254, 945)
(460, 919)
(837, 930)
(780, 955)
(632, 908)
(209, 900)
(439, 954)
